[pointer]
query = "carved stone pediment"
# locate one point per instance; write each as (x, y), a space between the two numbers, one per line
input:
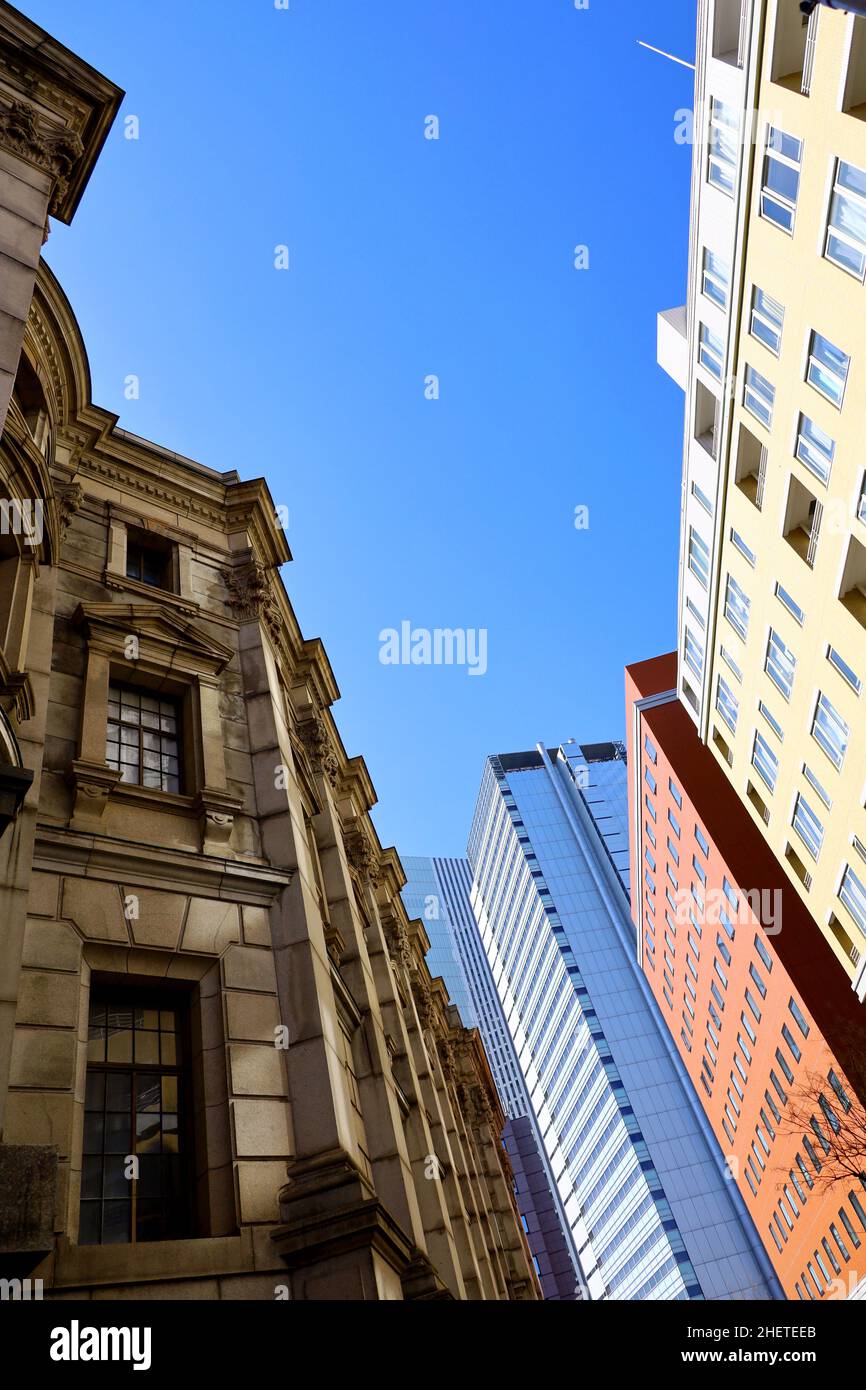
(165, 638)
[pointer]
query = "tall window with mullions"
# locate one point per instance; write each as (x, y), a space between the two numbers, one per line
(134, 1166)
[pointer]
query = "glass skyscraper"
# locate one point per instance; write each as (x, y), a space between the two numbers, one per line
(636, 1168)
(433, 893)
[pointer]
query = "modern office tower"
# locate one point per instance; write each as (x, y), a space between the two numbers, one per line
(771, 352)
(765, 1022)
(437, 904)
(633, 1159)
(206, 964)
(439, 892)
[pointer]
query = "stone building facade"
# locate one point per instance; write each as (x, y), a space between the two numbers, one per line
(225, 1069)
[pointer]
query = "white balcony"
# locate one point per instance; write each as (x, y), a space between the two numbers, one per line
(672, 352)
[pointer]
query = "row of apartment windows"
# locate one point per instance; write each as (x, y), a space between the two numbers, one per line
(828, 728)
(827, 367)
(811, 1277)
(845, 230)
(827, 370)
(765, 1131)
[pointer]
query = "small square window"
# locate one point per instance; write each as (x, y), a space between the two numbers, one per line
(149, 559)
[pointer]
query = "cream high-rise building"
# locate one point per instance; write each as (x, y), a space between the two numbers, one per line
(225, 1069)
(771, 352)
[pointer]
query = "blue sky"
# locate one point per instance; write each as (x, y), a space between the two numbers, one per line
(410, 257)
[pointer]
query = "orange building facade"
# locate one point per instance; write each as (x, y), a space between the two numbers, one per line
(766, 1024)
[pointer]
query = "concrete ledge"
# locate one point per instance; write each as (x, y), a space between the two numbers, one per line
(94, 1265)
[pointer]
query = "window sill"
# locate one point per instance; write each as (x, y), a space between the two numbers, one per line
(162, 1260)
(172, 802)
(114, 580)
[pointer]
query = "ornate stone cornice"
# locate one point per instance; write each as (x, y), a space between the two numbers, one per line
(57, 108)
(52, 149)
(129, 476)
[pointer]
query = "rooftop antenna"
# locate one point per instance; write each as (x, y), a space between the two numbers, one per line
(682, 62)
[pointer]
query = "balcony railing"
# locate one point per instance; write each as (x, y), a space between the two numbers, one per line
(809, 55)
(745, 9)
(813, 535)
(762, 477)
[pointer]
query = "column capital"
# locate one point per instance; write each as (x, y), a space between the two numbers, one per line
(50, 148)
(56, 109)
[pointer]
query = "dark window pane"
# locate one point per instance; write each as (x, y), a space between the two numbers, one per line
(169, 1050)
(92, 1134)
(150, 1183)
(91, 1178)
(117, 1134)
(116, 1182)
(94, 1096)
(150, 1223)
(116, 1223)
(118, 1092)
(169, 1093)
(88, 1225)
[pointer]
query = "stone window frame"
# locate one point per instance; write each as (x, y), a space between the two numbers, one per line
(156, 995)
(180, 546)
(141, 645)
(213, 1197)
